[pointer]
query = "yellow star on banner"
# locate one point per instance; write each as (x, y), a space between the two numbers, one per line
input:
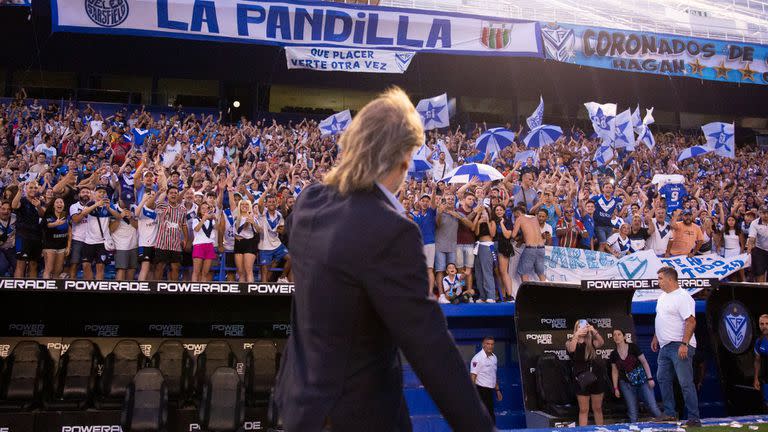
(747, 73)
(696, 68)
(722, 71)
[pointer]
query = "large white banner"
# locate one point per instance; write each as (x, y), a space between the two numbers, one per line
(575, 265)
(348, 59)
(301, 23)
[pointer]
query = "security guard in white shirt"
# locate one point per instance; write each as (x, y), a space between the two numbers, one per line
(483, 373)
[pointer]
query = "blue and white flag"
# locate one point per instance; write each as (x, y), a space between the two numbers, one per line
(693, 152)
(604, 154)
(434, 112)
(637, 121)
(419, 160)
(645, 136)
(721, 138)
(335, 124)
(537, 118)
(602, 116)
(623, 133)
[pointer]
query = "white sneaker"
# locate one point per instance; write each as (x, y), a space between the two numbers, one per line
(490, 301)
(282, 280)
(480, 301)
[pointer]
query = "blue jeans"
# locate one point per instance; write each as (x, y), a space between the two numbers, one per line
(630, 392)
(602, 233)
(484, 280)
(671, 365)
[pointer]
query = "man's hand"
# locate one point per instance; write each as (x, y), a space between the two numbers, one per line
(498, 395)
(756, 384)
(655, 344)
(682, 351)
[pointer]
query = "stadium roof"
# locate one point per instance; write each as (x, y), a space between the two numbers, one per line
(733, 20)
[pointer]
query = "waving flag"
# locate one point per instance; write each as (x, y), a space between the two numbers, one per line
(645, 136)
(637, 121)
(419, 160)
(623, 134)
(434, 112)
(648, 119)
(536, 119)
(542, 135)
(693, 152)
(604, 154)
(523, 157)
(721, 138)
(335, 124)
(602, 116)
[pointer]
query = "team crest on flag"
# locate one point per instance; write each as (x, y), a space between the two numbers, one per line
(107, 13)
(496, 35)
(558, 42)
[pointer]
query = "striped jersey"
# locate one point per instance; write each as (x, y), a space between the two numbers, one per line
(169, 226)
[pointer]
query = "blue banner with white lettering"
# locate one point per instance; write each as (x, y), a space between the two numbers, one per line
(656, 53)
(302, 23)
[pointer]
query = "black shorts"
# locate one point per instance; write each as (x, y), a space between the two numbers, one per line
(167, 256)
(244, 246)
(95, 253)
(146, 254)
(28, 249)
(186, 259)
(759, 261)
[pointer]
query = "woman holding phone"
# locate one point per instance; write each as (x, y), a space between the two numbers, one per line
(588, 370)
(203, 245)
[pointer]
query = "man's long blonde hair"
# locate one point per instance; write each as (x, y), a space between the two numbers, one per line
(378, 139)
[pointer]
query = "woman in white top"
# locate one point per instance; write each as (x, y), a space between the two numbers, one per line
(734, 242)
(203, 244)
(246, 239)
(618, 244)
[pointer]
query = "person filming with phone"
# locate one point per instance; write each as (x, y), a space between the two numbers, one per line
(588, 370)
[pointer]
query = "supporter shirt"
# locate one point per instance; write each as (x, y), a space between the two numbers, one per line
(147, 227)
(78, 229)
(657, 241)
(125, 236)
(28, 221)
(445, 234)
(55, 237)
(171, 152)
(589, 225)
(619, 245)
(638, 239)
(452, 286)
(169, 231)
(206, 233)
(97, 224)
(269, 224)
(229, 231)
(761, 350)
(139, 136)
(759, 232)
(426, 222)
(604, 209)
(464, 235)
(673, 194)
(484, 366)
(684, 238)
(672, 309)
(527, 196)
(571, 238)
(50, 152)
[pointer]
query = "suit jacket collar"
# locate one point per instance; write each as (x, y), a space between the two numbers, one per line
(390, 198)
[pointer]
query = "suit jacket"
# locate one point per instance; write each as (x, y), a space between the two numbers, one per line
(361, 293)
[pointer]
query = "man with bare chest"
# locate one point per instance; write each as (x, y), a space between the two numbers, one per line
(532, 258)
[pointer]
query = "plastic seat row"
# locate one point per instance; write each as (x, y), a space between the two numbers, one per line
(27, 379)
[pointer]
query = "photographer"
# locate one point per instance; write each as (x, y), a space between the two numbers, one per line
(631, 375)
(587, 369)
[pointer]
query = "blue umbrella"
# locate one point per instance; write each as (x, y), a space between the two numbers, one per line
(542, 135)
(493, 140)
(465, 173)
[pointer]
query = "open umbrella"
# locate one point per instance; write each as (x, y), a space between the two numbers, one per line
(542, 135)
(465, 173)
(493, 140)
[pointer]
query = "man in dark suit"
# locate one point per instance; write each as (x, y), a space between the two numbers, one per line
(361, 293)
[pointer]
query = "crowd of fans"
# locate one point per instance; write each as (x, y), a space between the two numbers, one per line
(169, 195)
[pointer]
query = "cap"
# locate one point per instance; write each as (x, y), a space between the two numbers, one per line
(687, 212)
(101, 187)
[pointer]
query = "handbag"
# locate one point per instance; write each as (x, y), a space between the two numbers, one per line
(586, 378)
(637, 376)
(109, 243)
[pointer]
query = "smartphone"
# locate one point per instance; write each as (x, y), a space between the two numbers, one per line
(583, 323)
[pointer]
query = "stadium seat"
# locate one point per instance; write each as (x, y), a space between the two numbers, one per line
(217, 354)
(120, 367)
(175, 363)
(75, 382)
(261, 363)
(25, 377)
(222, 406)
(146, 402)
(555, 387)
